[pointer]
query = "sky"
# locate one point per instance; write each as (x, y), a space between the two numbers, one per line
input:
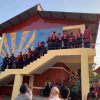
(11, 8)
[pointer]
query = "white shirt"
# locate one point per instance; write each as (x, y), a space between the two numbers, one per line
(27, 96)
(54, 98)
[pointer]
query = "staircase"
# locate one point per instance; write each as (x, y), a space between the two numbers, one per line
(31, 68)
(41, 63)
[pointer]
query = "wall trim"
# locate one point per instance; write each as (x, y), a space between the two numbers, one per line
(36, 87)
(62, 69)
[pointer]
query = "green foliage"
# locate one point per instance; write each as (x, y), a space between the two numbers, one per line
(95, 77)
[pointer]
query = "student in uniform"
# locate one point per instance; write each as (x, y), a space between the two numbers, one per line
(33, 54)
(71, 40)
(39, 49)
(37, 52)
(43, 48)
(6, 63)
(53, 40)
(12, 61)
(79, 39)
(49, 43)
(87, 37)
(29, 54)
(65, 39)
(59, 41)
(20, 60)
(25, 59)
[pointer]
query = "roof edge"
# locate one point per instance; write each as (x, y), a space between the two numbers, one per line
(39, 7)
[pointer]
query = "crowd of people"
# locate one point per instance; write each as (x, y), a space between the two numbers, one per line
(60, 41)
(94, 93)
(71, 40)
(69, 88)
(22, 60)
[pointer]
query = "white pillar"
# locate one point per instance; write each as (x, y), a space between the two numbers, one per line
(17, 83)
(31, 80)
(84, 75)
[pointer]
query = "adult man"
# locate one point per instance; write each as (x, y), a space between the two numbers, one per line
(25, 93)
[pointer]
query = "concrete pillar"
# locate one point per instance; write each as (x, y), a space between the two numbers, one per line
(17, 83)
(84, 75)
(31, 80)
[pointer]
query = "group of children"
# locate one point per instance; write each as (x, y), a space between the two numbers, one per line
(22, 59)
(66, 40)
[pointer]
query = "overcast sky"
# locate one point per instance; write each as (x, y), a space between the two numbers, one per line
(10, 8)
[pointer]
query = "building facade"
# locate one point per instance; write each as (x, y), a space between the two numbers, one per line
(65, 62)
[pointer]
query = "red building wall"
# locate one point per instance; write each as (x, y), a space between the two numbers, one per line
(53, 74)
(26, 79)
(36, 22)
(6, 90)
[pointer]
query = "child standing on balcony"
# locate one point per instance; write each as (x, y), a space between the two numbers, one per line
(87, 37)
